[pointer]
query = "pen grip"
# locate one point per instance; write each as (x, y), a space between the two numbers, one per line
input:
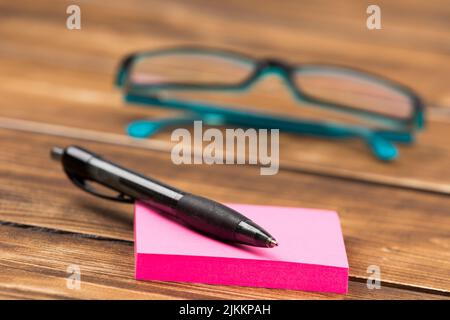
(209, 216)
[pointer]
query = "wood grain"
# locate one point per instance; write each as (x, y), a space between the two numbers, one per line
(413, 34)
(34, 265)
(71, 72)
(405, 233)
(56, 89)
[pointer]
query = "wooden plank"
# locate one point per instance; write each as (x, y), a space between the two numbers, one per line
(412, 35)
(70, 72)
(57, 76)
(423, 166)
(34, 266)
(405, 233)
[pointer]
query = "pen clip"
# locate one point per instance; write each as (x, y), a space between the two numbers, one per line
(85, 186)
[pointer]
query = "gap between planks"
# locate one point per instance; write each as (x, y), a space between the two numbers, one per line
(393, 285)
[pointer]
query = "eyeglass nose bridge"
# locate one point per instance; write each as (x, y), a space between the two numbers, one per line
(273, 66)
(279, 68)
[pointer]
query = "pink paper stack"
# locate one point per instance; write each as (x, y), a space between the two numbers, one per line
(311, 255)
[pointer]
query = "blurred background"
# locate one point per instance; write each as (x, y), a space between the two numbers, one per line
(412, 46)
(54, 75)
(57, 88)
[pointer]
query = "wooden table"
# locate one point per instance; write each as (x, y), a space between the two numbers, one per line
(56, 89)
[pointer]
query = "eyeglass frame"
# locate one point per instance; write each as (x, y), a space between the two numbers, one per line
(403, 132)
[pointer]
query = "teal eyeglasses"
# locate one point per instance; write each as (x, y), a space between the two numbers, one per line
(173, 77)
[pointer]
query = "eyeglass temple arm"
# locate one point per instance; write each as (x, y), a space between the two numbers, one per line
(147, 127)
(379, 141)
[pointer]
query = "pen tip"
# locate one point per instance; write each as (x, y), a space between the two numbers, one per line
(272, 243)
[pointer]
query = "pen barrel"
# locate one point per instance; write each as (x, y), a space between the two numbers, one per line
(133, 184)
(221, 222)
(86, 166)
(209, 216)
(75, 161)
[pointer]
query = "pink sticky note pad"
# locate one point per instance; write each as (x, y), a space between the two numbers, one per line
(311, 255)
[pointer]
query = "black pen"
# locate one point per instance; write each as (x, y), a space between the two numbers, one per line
(207, 216)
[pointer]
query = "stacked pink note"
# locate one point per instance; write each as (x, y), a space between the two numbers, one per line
(311, 255)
